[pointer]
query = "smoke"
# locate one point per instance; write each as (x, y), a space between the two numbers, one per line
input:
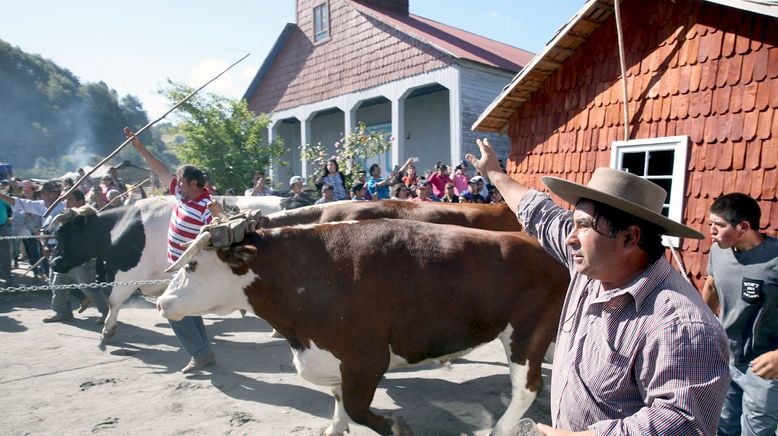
(82, 148)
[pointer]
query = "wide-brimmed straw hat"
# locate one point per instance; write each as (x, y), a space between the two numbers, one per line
(626, 192)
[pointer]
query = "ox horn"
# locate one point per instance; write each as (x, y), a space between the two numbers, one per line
(202, 240)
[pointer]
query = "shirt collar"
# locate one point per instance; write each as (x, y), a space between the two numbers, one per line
(642, 285)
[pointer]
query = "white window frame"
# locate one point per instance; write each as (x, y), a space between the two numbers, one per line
(323, 33)
(680, 146)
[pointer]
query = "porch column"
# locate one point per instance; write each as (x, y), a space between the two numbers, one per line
(349, 121)
(305, 135)
(455, 123)
(271, 134)
(398, 130)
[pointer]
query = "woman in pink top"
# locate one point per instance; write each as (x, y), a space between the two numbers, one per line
(460, 180)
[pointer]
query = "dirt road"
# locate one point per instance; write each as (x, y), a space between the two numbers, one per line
(59, 379)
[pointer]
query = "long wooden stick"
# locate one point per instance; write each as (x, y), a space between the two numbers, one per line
(143, 129)
(34, 265)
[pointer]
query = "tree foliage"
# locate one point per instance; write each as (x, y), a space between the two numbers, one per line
(222, 137)
(51, 123)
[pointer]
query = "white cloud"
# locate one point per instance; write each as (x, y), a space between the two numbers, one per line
(232, 84)
(227, 85)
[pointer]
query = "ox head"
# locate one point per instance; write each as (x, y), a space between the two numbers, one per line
(78, 238)
(208, 280)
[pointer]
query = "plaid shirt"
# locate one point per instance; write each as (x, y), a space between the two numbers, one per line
(649, 358)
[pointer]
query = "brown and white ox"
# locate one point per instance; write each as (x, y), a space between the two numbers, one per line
(340, 294)
(480, 216)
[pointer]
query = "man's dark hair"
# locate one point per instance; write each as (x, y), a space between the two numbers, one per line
(191, 172)
(650, 234)
(78, 195)
(357, 187)
(373, 168)
(737, 207)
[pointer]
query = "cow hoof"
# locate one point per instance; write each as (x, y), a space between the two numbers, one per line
(400, 427)
(330, 431)
(107, 334)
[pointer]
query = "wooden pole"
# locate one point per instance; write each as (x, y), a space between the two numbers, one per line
(625, 95)
(143, 129)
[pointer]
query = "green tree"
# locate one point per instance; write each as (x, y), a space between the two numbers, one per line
(51, 123)
(222, 137)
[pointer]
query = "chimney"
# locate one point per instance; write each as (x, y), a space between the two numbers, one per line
(400, 6)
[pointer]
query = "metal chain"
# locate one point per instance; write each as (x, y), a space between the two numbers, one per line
(83, 285)
(28, 237)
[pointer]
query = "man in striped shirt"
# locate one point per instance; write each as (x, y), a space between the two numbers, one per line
(637, 351)
(189, 215)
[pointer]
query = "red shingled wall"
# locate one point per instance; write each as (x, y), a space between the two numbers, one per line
(693, 68)
(360, 53)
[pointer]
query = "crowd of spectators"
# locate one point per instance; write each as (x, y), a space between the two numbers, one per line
(110, 192)
(402, 183)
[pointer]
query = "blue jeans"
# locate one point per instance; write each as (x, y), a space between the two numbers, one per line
(190, 332)
(33, 249)
(751, 404)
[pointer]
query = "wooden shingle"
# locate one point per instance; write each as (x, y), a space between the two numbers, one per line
(757, 177)
(764, 129)
(769, 184)
(734, 127)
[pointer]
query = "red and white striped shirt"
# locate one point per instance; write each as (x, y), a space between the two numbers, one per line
(188, 217)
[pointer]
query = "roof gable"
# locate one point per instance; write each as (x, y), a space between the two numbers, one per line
(566, 41)
(458, 43)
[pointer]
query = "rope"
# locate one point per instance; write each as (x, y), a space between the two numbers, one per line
(95, 285)
(680, 263)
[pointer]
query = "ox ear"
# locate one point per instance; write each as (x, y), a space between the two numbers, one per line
(238, 256)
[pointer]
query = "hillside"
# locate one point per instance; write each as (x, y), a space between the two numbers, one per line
(51, 123)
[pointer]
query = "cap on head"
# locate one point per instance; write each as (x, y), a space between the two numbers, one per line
(295, 179)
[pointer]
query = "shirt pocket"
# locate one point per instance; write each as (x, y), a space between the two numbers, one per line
(604, 371)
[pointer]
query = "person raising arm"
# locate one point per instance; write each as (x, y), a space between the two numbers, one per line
(632, 332)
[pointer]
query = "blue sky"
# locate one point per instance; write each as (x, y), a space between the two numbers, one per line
(134, 47)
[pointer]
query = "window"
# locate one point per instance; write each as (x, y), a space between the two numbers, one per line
(661, 160)
(321, 22)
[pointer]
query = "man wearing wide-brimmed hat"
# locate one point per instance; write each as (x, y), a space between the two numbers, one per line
(637, 350)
